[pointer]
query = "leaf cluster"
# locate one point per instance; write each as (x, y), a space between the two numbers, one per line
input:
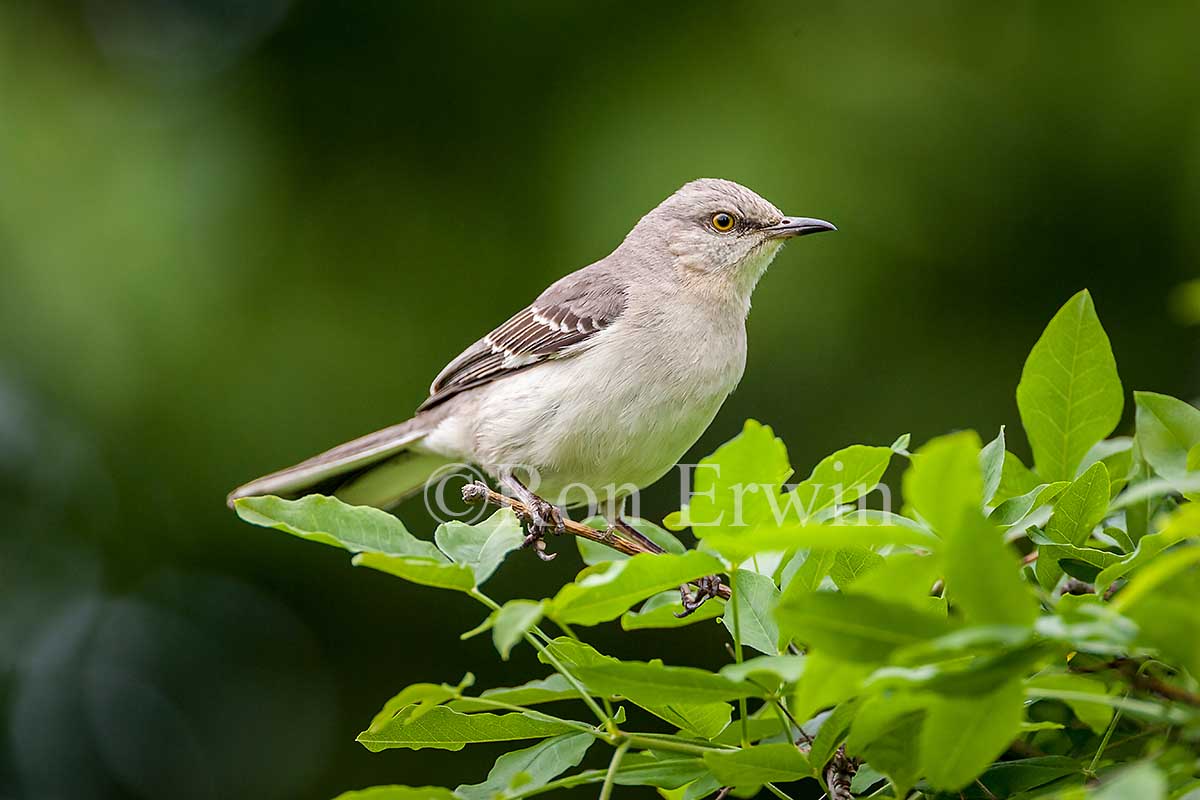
(1009, 631)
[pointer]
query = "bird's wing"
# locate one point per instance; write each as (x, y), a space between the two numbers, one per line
(557, 324)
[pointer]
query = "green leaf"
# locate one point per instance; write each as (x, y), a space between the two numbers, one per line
(659, 612)
(594, 553)
(1166, 430)
(514, 619)
(399, 793)
(885, 732)
(962, 735)
(736, 483)
(832, 732)
(740, 544)
(705, 720)
(778, 669)
(443, 729)
(1183, 524)
(902, 577)
(426, 694)
(545, 690)
(756, 596)
(1084, 563)
(983, 575)
(1166, 612)
(1010, 778)
(826, 681)
(1015, 479)
(843, 477)
(1015, 512)
(608, 590)
(945, 481)
(1143, 781)
(991, 463)
(1081, 507)
(654, 684)
(669, 772)
(427, 572)
(1094, 715)
(754, 766)
(855, 628)
(481, 547)
(851, 562)
(327, 520)
(1070, 395)
(1116, 454)
(523, 770)
(806, 571)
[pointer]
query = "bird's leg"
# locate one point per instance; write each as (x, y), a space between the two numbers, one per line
(706, 587)
(543, 516)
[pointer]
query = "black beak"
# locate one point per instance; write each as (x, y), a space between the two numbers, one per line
(788, 227)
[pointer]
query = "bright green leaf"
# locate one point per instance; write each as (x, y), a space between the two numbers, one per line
(1143, 781)
(1015, 479)
(545, 690)
(983, 575)
(855, 628)
(1094, 715)
(779, 669)
(1070, 395)
(670, 771)
(1081, 507)
(608, 590)
(962, 735)
(826, 681)
(427, 572)
(886, 732)
(1183, 524)
(945, 481)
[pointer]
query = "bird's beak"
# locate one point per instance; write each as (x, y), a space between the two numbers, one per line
(788, 227)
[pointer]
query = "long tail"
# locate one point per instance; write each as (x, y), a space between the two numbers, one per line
(379, 469)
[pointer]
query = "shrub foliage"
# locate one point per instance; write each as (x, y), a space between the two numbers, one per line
(1006, 631)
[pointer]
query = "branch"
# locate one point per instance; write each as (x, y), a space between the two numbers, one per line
(1131, 670)
(480, 493)
(839, 774)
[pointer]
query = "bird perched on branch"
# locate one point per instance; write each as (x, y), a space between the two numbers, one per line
(598, 387)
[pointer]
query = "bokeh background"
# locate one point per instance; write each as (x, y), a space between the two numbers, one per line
(233, 234)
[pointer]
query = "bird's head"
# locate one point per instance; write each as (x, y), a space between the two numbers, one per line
(720, 232)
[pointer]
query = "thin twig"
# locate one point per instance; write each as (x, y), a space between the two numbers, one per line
(480, 493)
(1133, 672)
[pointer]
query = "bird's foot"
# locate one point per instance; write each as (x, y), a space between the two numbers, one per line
(541, 517)
(706, 587)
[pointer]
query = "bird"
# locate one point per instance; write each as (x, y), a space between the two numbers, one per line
(597, 388)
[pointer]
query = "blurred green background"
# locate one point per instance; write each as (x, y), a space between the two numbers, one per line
(233, 234)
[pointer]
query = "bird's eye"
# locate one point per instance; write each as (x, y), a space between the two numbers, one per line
(723, 221)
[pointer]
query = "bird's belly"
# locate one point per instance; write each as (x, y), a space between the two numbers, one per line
(586, 437)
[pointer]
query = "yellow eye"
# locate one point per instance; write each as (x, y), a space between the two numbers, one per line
(723, 221)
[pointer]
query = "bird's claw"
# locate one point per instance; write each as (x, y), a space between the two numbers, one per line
(706, 587)
(542, 517)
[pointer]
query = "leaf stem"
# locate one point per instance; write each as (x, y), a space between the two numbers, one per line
(775, 790)
(613, 766)
(737, 649)
(605, 719)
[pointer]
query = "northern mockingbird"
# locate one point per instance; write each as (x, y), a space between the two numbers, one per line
(598, 387)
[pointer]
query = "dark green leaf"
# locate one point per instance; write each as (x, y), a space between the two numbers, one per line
(886, 732)
(669, 772)
(833, 731)
(1143, 781)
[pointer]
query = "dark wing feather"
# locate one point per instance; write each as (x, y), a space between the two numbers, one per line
(557, 324)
